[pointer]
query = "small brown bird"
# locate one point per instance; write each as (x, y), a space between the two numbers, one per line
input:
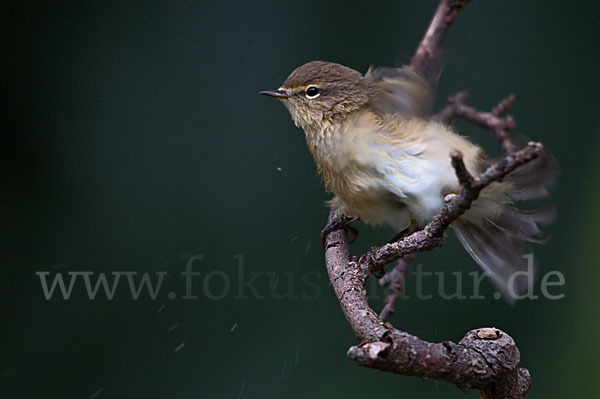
(387, 161)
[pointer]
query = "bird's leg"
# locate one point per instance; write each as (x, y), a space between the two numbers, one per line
(341, 222)
(367, 258)
(409, 230)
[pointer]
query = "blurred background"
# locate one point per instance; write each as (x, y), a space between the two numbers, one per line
(135, 140)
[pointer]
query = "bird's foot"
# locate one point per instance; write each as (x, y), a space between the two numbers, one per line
(368, 259)
(339, 223)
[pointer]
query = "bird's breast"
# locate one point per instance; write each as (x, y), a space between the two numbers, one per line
(383, 170)
(365, 171)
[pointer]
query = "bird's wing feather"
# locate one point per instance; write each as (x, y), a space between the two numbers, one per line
(404, 91)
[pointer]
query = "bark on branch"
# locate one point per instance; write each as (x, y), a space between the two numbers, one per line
(485, 359)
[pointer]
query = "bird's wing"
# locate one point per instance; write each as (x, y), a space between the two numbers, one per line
(403, 91)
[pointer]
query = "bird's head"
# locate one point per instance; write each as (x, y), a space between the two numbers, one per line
(321, 94)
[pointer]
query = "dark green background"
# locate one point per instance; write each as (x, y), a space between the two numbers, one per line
(133, 138)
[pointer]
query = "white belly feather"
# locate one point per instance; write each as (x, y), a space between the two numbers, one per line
(406, 179)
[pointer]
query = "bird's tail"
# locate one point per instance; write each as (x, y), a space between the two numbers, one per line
(498, 235)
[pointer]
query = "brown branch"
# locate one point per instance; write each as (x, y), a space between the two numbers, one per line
(428, 48)
(348, 280)
(463, 175)
(485, 362)
(486, 359)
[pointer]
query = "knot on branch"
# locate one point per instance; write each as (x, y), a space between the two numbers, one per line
(501, 357)
(496, 348)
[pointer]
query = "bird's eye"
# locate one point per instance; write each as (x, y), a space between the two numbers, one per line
(312, 92)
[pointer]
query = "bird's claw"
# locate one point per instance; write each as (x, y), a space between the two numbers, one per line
(341, 223)
(368, 259)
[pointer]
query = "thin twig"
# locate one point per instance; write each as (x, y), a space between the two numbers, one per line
(504, 105)
(463, 175)
(432, 235)
(494, 121)
(395, 281)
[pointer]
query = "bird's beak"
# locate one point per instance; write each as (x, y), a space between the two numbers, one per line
(279, 93)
